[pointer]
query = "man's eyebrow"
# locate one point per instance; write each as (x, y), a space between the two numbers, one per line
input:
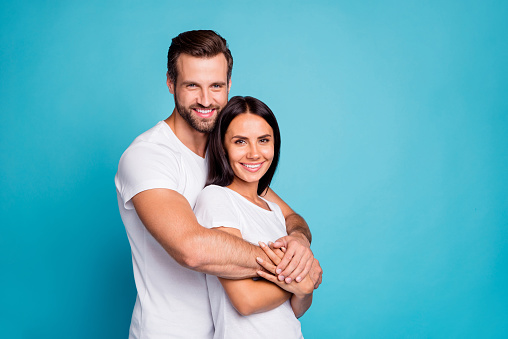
(189, 82)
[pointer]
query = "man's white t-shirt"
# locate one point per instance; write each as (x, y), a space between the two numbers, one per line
(172, 301)
(220, 206)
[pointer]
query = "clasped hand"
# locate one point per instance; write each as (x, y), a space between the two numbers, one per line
(305, 282)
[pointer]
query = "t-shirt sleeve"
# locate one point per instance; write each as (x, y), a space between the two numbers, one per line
(146, 166)
(214, 208)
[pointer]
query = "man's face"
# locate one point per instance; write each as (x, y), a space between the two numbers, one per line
(201, 90)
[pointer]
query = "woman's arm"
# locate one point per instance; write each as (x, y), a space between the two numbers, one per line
(250, 296)
(298, 259)
(302, 291)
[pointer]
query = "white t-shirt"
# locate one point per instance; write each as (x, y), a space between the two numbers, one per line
(172, 301)
(219, 206)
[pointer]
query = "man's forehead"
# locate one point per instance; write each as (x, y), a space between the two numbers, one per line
(215, 67)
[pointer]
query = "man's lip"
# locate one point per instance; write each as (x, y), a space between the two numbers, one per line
(204, 112)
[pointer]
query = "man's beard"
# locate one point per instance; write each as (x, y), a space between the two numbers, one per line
(203, 125)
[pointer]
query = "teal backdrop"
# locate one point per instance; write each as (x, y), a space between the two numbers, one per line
(394, 120)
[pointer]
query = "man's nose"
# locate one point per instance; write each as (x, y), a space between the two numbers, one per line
(204, 98)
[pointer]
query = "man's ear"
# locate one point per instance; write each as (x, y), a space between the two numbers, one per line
(229, 85)
(170, 84)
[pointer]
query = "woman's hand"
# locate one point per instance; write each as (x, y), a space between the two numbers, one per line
(299, 289)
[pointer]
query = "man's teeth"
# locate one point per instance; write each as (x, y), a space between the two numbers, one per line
(204, 111)
(252, 166)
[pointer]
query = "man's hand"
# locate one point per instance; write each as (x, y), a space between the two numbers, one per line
(297, 260)
(316, 273)
(300, 289)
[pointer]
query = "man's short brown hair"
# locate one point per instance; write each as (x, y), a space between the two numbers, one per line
(201, 44)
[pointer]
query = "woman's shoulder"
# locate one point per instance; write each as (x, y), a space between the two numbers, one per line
(214, 193)
(214, 189)
(215, 208)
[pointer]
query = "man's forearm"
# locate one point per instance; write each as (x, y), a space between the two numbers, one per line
(297, 226)
(224, 255)
(168, 217)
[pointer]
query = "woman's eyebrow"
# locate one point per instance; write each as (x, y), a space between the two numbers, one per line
(242, 137)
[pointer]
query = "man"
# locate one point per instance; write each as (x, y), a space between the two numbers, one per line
(159, 178)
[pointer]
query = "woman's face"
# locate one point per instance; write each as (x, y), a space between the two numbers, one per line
(249, 144)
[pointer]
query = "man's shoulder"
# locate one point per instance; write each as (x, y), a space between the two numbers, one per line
(153, 149)
(155, 141)
(159, 136)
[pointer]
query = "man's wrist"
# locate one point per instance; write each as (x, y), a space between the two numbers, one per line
(300, 235)
(258, 252)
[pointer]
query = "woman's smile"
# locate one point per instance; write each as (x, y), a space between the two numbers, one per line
(249, 145)
(252, 167)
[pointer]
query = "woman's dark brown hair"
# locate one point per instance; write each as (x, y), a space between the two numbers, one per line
(219, 171)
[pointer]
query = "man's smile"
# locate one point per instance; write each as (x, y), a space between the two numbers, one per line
(204, 112)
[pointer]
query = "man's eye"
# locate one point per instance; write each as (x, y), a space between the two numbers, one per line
(191, 85)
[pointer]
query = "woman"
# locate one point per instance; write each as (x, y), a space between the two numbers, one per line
(243, 155)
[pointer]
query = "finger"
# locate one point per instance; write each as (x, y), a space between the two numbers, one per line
(316, 273)
(319, 273)
(305, 271)
(316, 285)
(293, 264)
(268, 276)
(266, 265)
(277, 251)
(318, 281)
(280, 242)
(271, 254)
(288, 256)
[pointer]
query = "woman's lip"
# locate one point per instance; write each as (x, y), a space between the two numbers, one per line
(252, 167)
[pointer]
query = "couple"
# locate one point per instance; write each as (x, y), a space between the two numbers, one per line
(159, 179)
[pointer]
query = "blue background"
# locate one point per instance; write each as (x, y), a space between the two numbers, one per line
(394, 122)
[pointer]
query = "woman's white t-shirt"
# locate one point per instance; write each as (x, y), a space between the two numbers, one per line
(222, 207)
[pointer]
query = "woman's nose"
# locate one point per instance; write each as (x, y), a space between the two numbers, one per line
(253, 152)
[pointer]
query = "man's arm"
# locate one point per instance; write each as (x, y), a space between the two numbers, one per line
(295, 224)
(168, 216)
(298, 259)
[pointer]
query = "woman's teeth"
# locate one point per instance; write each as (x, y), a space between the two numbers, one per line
(252, 166)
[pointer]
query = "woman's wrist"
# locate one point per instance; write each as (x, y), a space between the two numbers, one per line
(305, 288)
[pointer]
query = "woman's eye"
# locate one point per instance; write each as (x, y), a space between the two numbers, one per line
(240, 141)
(264, 141)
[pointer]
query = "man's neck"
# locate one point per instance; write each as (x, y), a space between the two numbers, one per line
(192, 139)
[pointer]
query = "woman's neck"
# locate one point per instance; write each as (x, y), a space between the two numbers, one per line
(249, 190)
